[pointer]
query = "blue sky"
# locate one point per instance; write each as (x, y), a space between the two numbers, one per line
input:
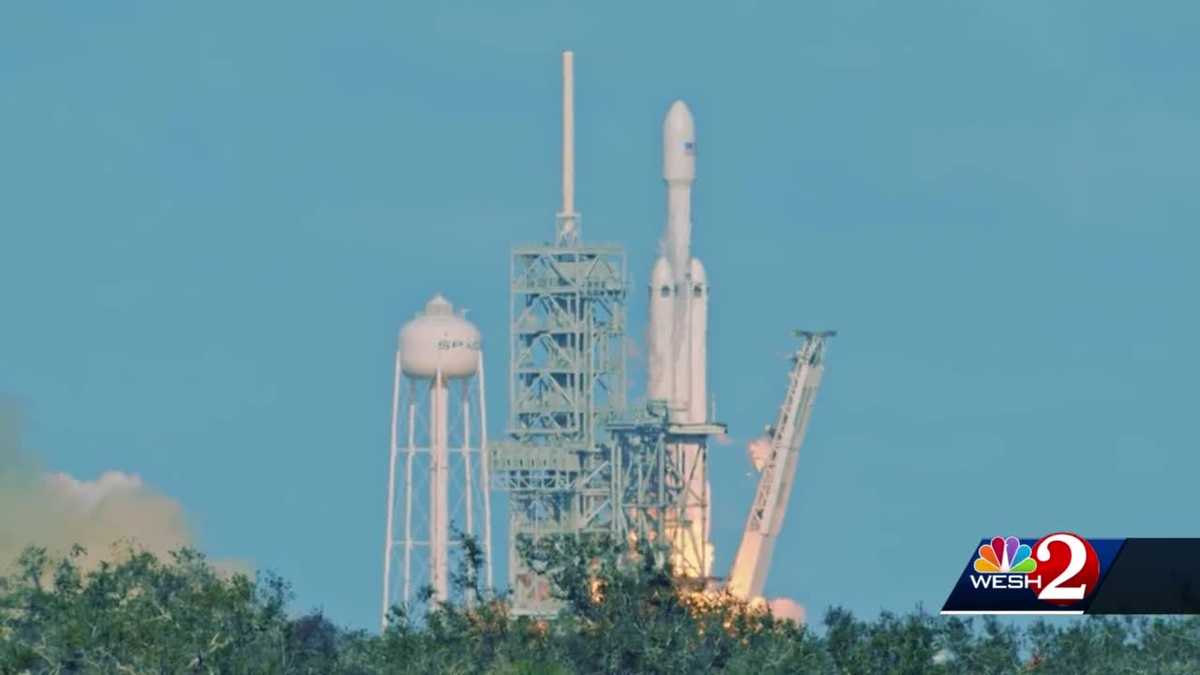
(215, 216)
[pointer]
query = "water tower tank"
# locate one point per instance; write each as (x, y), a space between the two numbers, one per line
(437, 338)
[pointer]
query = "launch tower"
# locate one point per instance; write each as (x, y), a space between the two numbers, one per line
(567, 378)
(577, 460)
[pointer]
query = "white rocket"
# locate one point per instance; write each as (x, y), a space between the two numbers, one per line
(678, 329)
(678, 293)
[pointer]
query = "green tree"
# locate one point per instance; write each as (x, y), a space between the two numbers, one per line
(623, 611)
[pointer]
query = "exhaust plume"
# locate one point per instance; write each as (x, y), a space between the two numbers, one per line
(105, 516)
(786, 608)
(758, 451)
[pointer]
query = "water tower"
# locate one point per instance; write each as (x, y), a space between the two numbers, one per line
(438, 472)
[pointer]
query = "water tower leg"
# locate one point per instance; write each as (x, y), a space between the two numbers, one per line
(409, 453)
(468, 483)
(439, 484)
(391, 500)
(485, 480)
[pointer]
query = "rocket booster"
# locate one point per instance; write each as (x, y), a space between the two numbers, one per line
(662, 347)
(697, 342)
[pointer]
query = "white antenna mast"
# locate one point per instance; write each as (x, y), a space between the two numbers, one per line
(568, 219)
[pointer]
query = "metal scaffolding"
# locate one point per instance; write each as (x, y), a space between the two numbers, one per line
(651, 478)
(567, 378)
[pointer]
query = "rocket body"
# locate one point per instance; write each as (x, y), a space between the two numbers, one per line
(679, 338)
(679, 170)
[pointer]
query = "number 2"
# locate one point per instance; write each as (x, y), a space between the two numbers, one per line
(1055, 590)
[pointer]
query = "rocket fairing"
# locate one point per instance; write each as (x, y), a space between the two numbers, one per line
(679, 144)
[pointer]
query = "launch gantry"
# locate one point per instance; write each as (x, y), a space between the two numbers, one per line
(567, 378)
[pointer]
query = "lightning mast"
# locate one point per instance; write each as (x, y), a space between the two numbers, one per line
(749, 573)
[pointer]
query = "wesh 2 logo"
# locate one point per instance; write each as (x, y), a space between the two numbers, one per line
(1060, 568)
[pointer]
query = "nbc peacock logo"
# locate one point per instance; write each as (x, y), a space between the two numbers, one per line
(1005, 556)
(1005, 563)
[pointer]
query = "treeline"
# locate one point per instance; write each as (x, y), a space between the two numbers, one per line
(621, 614)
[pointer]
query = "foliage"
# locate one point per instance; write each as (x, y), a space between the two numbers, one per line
(623, 611)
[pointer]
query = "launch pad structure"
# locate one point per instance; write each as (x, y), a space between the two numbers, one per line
(576, 461)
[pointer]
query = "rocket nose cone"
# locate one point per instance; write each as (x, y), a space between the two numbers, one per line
(679, 144)
(679, 122)
(661, 274)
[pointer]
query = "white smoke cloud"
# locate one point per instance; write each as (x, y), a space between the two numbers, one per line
(106, 515)
(87, 495)
(759, 450)
(786, 608)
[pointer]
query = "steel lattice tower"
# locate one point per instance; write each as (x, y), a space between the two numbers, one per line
(567, 379)
(576, 461)
(567, 370)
